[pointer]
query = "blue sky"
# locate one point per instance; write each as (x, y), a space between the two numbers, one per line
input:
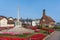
(30, 8)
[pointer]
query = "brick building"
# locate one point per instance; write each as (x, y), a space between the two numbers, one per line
(46, 20)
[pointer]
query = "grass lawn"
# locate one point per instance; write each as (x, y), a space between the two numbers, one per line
(42, 32)
(21, 35)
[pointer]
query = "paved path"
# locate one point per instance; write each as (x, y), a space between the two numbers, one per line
(55, 36)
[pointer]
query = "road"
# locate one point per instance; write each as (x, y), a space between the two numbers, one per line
(55, 36)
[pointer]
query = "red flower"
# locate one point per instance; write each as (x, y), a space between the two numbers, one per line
(33, 28)
(9, 38)
(1, 37)
(51, 30)
(6, 38)
(37, 36)
(16, 39)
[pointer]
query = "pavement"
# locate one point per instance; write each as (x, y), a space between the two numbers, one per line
(55, 36)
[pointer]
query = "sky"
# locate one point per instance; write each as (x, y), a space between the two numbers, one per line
(30, 8)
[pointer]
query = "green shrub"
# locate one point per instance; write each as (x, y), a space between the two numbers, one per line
(39, 27)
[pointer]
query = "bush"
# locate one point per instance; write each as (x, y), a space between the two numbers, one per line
(46, 26)
(39, 27)
(58, 27)
(55, 27)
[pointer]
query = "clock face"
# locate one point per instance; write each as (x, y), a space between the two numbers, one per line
(43, 20)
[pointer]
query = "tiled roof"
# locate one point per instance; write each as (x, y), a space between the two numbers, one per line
(46, 18)
(10, 17)
(1, 17)
(9, 21)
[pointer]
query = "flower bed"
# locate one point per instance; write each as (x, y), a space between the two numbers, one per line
(32, 27)
(45, 29)
(37, 30)
(15, 34)
(9, 38)
(32, 37)
(51, 30)
(37, 37)
(27, 33)
(10, 33)
(48, 30)
(6, 38)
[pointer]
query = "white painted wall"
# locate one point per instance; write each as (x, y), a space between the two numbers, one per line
(3, 22)
(33, 23)
(37, 22)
